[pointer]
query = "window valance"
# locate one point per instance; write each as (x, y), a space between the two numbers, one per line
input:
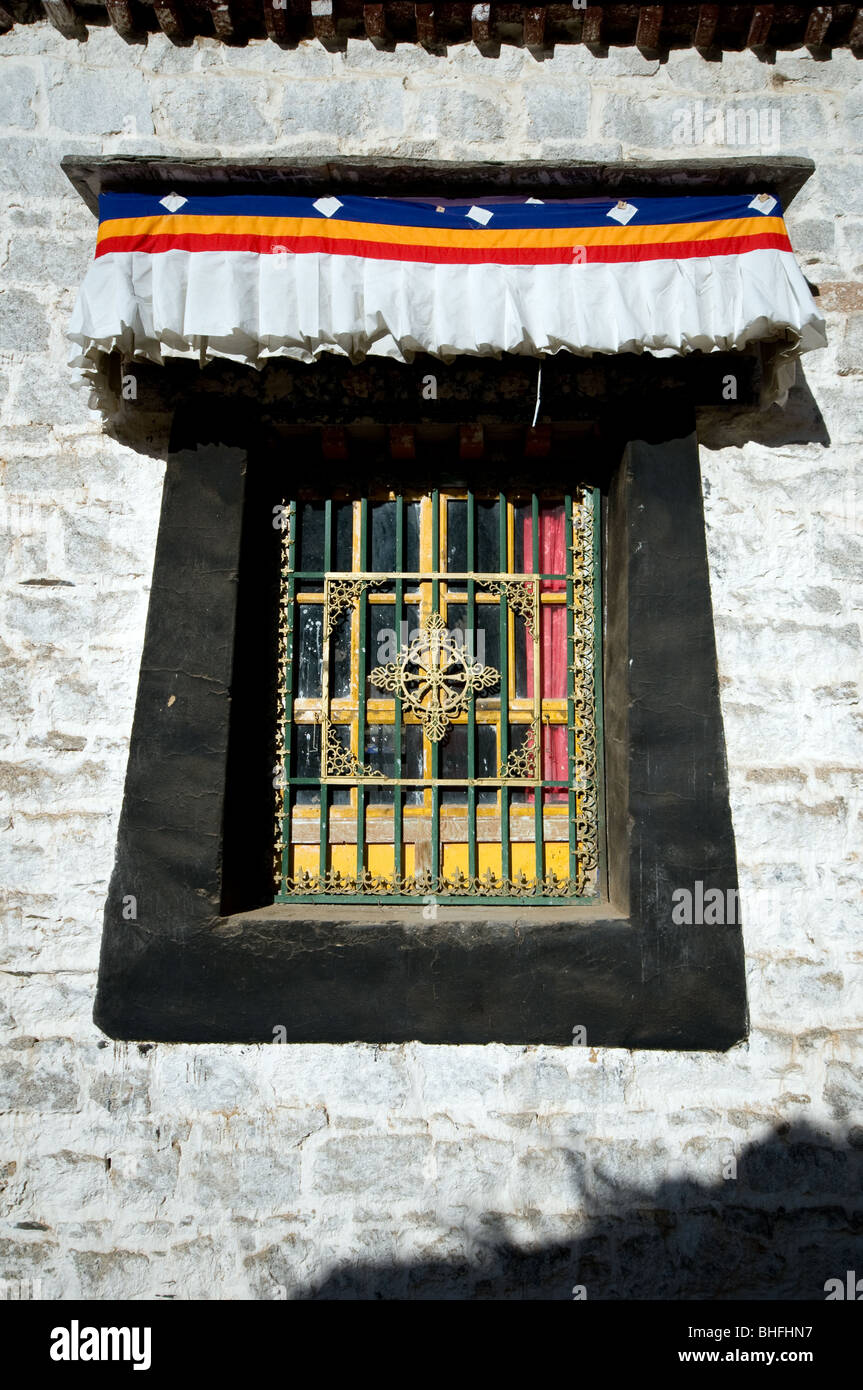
(250, 277)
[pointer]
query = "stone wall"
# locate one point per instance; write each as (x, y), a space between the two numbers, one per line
(235, 1172)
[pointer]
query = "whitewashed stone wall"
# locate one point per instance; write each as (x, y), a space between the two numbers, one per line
(233, 1172)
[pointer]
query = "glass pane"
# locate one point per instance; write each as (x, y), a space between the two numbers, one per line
(306, 760)
(310, 547)
(383, 536)
(523, 644)
(552, 544)
(488, 536)
(383, 642)
(412, 536)
(452, 762)
(552, 626)
(482, 642)
(456, 536)
(555, 761)
(340, 658)
(412, 761)
(380, 756)
(344, 524)
(486, 762)
(341, 796)
(309, 640)
(522, 548)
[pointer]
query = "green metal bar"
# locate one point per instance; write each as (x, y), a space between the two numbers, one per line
(325, 703)
(426, 782)
(435, 752)
(505, 687)
(361, 692)
(443, 899)
(471, 712)
(597, 690)
(570, 700)
(397, 724)
(288, 697)
(538, 794)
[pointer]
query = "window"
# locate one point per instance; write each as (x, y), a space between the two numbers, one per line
(210, 956)
(438, 703)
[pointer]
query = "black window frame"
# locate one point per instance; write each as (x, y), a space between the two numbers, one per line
(198, 963)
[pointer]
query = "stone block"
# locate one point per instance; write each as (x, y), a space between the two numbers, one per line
(23, 322)
(37, 1078)
(17, 95)
(557, 111)
(47, 261)
(51, 393)
(349, 1079)
(364, 108)
(241, 1182)
(99, 101)
(374, 1167)
(849, 357)
(459, 115)
(215, 110)
(477, 1170)
(110, 1274)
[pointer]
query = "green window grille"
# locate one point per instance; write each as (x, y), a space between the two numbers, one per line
(439, 711)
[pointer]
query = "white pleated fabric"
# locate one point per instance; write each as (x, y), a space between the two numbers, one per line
(251, 307)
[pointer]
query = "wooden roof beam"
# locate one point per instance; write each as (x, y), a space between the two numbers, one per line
(534, 28)
(591, 28)
(649, 26)
(224, 23)
(816, 28)
(480, 26)
(122, 18)
(375, 21)
(64, 19)
(169, 16)
(760, 26)
(426, 27)
(324, 22)
(276, 21)
(705, 29)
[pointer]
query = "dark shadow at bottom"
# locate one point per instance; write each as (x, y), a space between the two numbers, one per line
(789, 1221)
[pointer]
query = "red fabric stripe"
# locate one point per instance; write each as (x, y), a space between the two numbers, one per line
(373, 250)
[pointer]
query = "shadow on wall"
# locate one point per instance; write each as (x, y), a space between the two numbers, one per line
(799, 421)
(790, 1219)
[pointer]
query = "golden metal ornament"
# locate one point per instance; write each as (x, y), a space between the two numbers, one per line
(585, 759)
(456, 884)
(339, 761)
(435, 677)
(523, 761)
(342, 595)
(520, 595)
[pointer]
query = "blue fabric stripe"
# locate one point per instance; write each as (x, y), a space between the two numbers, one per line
(509, 213)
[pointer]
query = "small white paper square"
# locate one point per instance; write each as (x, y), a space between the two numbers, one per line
(172, 201)
(327, 206)
(540, 201)
(480, 215)
(762, 202)
(623, 212)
